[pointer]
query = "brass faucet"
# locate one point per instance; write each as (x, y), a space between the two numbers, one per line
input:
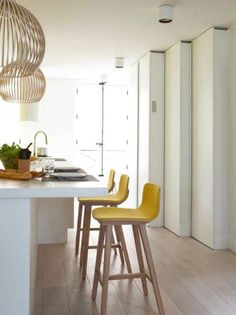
(35, 136)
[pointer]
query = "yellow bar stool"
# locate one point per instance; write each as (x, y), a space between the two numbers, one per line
(110, 200)
(82, 203)
(109, 217)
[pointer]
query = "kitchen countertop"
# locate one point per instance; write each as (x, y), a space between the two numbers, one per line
(28, 209)
(35, 188)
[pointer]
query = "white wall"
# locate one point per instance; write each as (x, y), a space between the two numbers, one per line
(232, 142)
(9, 122)
(209, 140)
(177, 215)
(56, 118)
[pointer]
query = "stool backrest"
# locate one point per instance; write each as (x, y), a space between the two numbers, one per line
(123, 191)
(151, 201)
(111, 181)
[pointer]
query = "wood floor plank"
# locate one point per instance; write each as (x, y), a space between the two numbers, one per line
(37, 310)
(53, 267)
(55, 301)
(54, 296)
(80, 301)
(114, 304)
(55, 310)
(193, 279)
(200, 273)
(133, 300)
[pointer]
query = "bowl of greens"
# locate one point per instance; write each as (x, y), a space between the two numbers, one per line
(9, 155)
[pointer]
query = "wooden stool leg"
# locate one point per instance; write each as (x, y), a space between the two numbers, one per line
(151, 268)
(106, 269)
(122, 240)
(120, 247)
(86, 231)
(113, 242)
(82, 241)
(98, 262)
(140, 258)
(78, 232)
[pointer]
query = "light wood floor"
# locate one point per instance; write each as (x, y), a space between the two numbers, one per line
(193, 280)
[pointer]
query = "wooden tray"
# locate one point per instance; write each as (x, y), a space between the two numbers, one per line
(14, 174)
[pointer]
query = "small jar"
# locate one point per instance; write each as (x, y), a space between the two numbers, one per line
(24, 165)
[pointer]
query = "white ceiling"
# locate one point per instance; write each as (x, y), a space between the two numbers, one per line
(83, 37)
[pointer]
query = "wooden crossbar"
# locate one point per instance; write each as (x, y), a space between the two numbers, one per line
(112, 246)
(126, 276)
(91, 229)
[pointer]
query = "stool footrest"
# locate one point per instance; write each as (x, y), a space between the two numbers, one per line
(91, 229)
(112, 246)
(126, 276)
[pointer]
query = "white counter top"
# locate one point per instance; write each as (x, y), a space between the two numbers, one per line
(23, 219)
(35, 188)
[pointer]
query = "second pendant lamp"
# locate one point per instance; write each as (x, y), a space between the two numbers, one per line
(23, 90)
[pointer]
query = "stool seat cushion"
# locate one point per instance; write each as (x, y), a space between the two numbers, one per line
(141, 214)
(99, 199)
(115, 199)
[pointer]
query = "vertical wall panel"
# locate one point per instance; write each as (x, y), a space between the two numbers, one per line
(177, 216)
(143, 123)
(132, 135)
(221, 135)
(202, 171)
(232, 141)
(209, 171)
(151, 124)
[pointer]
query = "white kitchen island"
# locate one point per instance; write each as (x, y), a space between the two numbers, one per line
(19, 229)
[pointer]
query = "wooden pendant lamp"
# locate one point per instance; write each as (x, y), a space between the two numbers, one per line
(23, 90)
(22, 40)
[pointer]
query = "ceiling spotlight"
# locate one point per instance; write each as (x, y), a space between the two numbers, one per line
(103, 79)
(165, 13)
(119, 62)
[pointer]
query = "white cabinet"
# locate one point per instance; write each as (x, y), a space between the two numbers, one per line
(132, 134)
(150, 166)
(209, 139)
(177, 192)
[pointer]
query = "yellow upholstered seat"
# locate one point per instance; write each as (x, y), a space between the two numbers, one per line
(116, 198)
(146, 212)
(109, 217)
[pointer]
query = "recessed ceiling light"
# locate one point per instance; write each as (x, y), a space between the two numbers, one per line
(119, 62)
(103, 79)
(165, 13)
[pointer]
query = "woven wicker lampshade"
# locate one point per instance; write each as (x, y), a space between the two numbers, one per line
(22, 40)
(23, 90)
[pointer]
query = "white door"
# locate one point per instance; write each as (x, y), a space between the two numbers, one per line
(89, 129)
